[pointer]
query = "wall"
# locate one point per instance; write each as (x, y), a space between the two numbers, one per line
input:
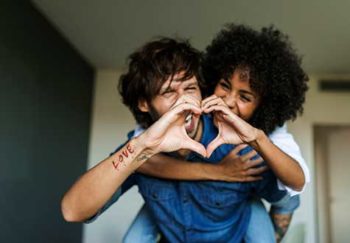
(110, 123)
(321, 108)
(45, 101)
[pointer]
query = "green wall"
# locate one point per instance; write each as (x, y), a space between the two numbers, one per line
(45, 109)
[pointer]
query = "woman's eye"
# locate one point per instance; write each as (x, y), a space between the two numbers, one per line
(191, 88)
(245, 98)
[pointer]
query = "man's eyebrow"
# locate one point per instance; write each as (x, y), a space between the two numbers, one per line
(168, 88)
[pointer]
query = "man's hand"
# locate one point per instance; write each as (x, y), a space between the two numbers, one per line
(232, 129)
(235, 168)
(169, 134)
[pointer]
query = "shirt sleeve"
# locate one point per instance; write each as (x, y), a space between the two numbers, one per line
(285, 141)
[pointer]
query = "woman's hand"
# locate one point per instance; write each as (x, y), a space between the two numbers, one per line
(232, 129)
(235, 168)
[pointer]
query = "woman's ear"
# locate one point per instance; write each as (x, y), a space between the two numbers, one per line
(143, 105)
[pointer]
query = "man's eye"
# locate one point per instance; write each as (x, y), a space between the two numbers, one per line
(224, 85)
(168, 92)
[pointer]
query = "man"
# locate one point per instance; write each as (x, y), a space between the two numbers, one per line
(164, 75)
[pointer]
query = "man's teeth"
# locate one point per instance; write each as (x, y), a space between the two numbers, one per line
(188, 118)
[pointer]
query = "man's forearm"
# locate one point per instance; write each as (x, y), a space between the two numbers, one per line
(93, 189)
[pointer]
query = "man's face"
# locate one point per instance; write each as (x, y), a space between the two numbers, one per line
(169, 93)
(238, 95)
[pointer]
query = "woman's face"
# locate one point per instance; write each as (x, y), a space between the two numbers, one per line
(238, 95)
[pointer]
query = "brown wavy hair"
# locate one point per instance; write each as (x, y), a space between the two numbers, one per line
(150, 66)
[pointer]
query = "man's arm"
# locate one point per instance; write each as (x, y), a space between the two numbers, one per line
(95, 187)
(92, 190)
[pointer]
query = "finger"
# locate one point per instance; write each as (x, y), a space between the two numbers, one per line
(233, 119)
(253, 163)
(186, 107)
(249, 155)
(206, 100)
(216, 101)
(187, 99)
(195, 146)
(179, 111)
(257, 159)
(213, 145)
(238, 148)
(256, 171)
(234, 152)
(219, 108)
(191, 99)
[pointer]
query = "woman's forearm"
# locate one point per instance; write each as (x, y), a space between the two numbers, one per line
(285, 167)
(166, 167)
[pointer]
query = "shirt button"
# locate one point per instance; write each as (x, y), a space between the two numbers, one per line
(155, 196)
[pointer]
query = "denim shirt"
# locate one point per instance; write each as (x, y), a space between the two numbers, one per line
(202, 211)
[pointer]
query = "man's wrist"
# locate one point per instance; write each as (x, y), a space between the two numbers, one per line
(131, 156)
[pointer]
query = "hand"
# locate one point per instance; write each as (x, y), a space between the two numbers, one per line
(232, 129)
(235, 168)
(169, 134)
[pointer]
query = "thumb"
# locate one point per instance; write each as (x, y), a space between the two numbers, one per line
(195, 146)
(213, 145)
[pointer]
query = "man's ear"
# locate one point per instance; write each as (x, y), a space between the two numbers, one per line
(143, 105)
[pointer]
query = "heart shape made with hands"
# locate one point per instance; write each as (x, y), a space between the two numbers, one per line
(231, 128)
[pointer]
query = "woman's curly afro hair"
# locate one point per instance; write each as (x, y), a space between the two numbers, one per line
(275, 71)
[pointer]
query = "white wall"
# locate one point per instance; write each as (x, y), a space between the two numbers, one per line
(111, 121)
(320, 108)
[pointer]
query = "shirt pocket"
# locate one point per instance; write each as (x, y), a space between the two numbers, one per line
(156, 190)
(221, 203)
(160, 197)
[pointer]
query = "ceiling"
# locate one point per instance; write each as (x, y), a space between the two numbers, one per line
(106, 31)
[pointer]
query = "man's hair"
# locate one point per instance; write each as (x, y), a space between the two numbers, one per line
(149, 68)
(275, 71)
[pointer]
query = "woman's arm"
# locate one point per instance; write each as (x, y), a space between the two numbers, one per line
(232, 168)
(234, 130)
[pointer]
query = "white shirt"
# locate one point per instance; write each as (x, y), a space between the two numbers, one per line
(285, 141)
